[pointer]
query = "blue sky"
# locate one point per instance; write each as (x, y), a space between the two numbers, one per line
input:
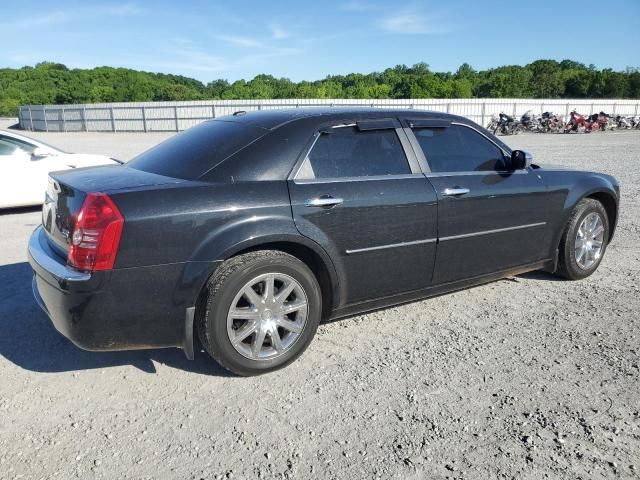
(311, 39)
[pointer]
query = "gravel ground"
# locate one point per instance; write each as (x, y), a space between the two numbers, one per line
(530, 377)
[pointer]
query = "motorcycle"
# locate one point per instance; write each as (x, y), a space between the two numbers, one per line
(493, 123)
(507, 125)
(597, 121)
(530, 122)
(576, 123)
(550, 122)
(623, 123)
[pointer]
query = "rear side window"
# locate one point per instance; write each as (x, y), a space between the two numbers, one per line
(193, 152)
(6, 148)
(347, 152)
(459, 149)
(24, 146)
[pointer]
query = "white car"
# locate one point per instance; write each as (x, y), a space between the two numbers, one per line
(25, 164)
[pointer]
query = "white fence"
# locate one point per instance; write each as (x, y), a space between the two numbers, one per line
(176, 116)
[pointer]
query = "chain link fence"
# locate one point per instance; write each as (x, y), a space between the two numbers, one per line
(177, 116)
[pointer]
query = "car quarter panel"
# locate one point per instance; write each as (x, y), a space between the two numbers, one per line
(198, 226)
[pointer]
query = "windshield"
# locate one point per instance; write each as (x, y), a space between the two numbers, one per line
(197, 150)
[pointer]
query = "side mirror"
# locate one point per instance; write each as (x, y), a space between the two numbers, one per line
(520, 160)
(40, 152)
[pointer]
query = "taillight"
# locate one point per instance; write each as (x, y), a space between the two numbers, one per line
(96, 234)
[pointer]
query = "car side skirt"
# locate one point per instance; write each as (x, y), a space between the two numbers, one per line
(436, 290)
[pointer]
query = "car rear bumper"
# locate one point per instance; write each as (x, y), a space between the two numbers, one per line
(125, 309)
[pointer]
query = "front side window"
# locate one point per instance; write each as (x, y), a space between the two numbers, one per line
(347, 152)
(459, 149)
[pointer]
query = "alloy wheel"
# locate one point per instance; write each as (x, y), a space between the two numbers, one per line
(589, 241)
(267, 316)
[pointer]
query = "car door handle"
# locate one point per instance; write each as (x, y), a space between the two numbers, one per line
(323, 202)
(455, 191)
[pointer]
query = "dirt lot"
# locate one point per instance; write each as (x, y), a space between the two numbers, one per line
(530, 377)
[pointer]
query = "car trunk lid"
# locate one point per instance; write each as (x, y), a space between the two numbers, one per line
(67, 190)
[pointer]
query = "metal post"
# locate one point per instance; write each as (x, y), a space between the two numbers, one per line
(636, 112)
(591, 108)
(144, 118)
(113, 120)
(449, 107)
(30, 118)
(64, 125)
(566, 112)
(84, 118)
(614, 109)
(482, 114)
(175, 114)
(515, 109)
(46, 124)
(213, 111)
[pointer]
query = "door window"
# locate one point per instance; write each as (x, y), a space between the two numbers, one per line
(459, 149)
(7, 148)
(347, 152)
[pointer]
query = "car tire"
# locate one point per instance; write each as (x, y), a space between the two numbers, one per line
(571, 264)
(270, 346)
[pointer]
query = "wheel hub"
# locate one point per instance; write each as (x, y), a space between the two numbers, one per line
(589, 241)
(267, 316)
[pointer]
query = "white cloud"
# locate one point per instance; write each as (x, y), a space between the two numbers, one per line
(413, 22)
(247, 42)
(277, 32)
(60, 17)
(51, 18)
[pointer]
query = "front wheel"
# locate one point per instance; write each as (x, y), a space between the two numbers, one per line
(584, 240)
(259, 312)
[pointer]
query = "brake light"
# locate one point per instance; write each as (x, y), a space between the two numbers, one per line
(96, 234)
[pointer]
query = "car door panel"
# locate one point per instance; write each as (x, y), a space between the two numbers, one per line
(382, 235)
(380, 229)
(489, 218)
(500, 223)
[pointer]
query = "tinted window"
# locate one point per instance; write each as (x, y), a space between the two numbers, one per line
(6, 148)
(347, 152)
(27, 147)
(193, 152)
(458, 149)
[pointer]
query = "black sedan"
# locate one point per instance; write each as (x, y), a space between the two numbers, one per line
(251, 229)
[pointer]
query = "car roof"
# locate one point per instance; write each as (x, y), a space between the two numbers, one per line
(272, 119)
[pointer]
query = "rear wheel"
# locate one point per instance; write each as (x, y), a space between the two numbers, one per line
(260, 311)
(584, 240)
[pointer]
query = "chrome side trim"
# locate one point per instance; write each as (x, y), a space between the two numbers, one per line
(358, 179)
(489, 232)
(478, 172)
(391, 245)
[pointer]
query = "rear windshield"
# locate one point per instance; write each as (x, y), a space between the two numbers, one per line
(195, 151)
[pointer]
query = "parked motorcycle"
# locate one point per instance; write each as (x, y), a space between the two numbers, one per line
(507, 125)
(623, 123)
(576, 123)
